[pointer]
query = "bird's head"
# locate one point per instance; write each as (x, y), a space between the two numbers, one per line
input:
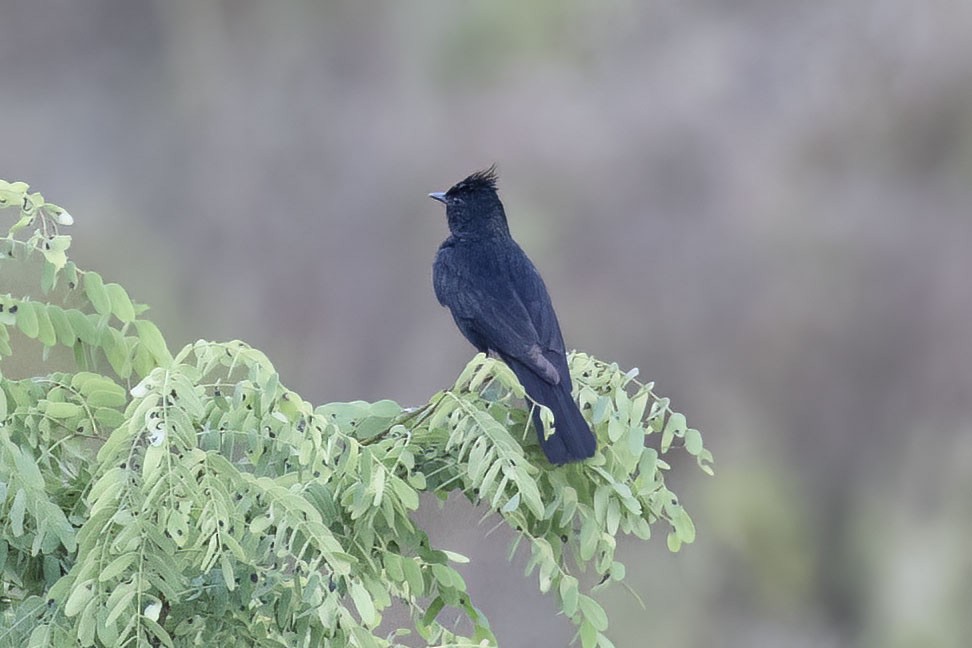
(473, 207)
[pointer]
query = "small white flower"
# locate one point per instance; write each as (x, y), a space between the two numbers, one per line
(157, 436)
(64, 218)
(152, 610)
(140, 390)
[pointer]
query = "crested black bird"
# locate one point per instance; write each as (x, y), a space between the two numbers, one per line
(500, 304)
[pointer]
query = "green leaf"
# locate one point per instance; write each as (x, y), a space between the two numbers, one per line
(604, 642)
(62, 326)
(107, 633)
(456, 557)
(433, 610)
(39, 636)
(588, 538)
(106, 398)
(613, 517)
(588, 634)
(693, 441)
(568, 595)
(70, 273)
(108, 417)
(81, 593)
(153, 462)
(511, 504)
(601, 411)
(684, 527)
(7, 318)
(120, 605)
(638, 405)
(593, 612)
(486, 485)
(617, 571)
(83, 327)
(676, 424)
(45, 329)
(142, 361)
(158, 631)
(16, 514)
(378, 485)
(444, 575)
(393, 567)
(62, 410)
(117, 566)
(601, 496)
(531, 494)
(485, 371)
(54, 251)
(151, 337)
(385, 409)
(107, 486)
(226, 566)
(86, 624)
(117, 351)
(364, 604)
(477, 467)
(94, 289)
(405, 493)
(48, 278)
(471, 367)
(616, 428)
(27, 470)
(27, 319)
(674, 542)
(121, 304)
(413, 576)
(260, 524)
(12, 193)
(635, 441)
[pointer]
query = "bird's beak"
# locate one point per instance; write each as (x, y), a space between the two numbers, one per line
(438, 195)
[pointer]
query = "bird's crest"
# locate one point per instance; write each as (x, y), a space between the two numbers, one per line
(485, 179)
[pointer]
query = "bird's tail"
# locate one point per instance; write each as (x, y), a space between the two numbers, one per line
(572, 439)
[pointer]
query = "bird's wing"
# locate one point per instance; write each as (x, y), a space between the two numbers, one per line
(494, 313)
(533, 293)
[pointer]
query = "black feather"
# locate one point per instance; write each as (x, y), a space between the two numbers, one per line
(500, 304)
(485, 179)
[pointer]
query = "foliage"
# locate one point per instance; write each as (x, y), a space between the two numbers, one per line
(152, 499)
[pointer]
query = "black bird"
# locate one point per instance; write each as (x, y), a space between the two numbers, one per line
(499, 302)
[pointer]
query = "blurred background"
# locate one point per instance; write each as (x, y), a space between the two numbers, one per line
(763, 205)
